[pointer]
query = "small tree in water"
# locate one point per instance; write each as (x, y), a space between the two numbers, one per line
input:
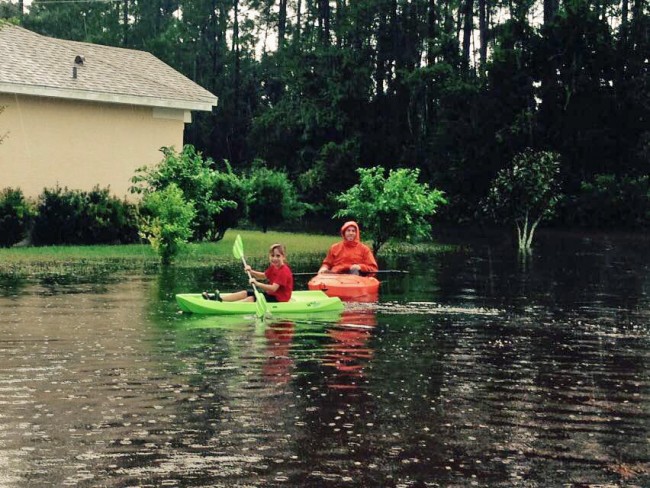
(217, 196)
(525, 193)
(167, 221)
(397, 206)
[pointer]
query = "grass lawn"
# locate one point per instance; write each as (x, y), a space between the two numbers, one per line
(23, 262)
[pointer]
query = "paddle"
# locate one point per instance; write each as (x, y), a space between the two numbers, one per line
(261, 307)
(363, 272)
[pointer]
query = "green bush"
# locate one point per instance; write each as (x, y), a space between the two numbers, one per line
(232, 189)
(273, 199)
(201, 184)
(396, 206)
(525, 193)
(79, 217)
(167, 221)
(16, 216)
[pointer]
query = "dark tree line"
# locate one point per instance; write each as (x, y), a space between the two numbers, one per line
(454, 87)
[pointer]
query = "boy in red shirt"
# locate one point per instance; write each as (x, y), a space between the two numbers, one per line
(279, 279)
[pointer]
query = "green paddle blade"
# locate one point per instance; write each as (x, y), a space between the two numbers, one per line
(238, 248)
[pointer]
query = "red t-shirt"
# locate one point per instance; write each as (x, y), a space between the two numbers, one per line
(280, 276)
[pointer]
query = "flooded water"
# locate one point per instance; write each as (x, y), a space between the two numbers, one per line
(474, 369)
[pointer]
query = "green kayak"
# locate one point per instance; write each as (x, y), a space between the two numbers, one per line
(301, 302)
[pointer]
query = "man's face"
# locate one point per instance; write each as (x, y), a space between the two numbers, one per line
(350, 233)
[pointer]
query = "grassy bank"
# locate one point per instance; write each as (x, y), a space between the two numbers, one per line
(39, 262)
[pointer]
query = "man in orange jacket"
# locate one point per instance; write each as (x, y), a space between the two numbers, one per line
(350, 255)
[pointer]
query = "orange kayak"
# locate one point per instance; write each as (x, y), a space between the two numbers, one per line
(346, 286)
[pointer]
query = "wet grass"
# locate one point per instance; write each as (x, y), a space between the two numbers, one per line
(63, 264)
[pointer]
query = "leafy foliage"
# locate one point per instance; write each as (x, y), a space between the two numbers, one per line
(231, 188)
(80, 217)
(210, 192)
(397, 206)
(608, 201)
(395, 83)
(167, 221)
(16, 215)
(272, 198)
(525, 193)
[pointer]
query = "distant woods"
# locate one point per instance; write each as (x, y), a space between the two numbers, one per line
(456, 88)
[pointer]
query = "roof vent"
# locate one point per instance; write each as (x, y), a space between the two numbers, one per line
(79, 59)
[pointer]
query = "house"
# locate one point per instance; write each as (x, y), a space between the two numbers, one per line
(79, 115)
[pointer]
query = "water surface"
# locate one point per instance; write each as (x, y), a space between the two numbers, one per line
(474, 369)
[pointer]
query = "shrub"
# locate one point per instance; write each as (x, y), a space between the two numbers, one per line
(396, 206)
(232, 189)
(200, 184)
(16, 215)
(79, 217)
(167, 221)
(272, 198)
(525, 193)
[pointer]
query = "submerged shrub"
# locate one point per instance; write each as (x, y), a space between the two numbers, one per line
(525, 193)
(216, 195)
(16, 215)
(167, 221)
(393, 206)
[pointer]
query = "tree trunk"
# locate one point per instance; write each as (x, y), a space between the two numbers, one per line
(282, 23)
(483, 32)
(549, 11)
(622, 42)
(531, 233)
(236, 78)
(525, 233)
(431, 32)
(324, 21)
(298, 21)
(340, 12)
(125, 23)
(380, 68)
(638, 10)
(468, 22)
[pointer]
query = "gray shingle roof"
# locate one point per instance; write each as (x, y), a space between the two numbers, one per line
(38, 65)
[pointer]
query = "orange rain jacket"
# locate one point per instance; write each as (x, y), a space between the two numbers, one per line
(344, 254)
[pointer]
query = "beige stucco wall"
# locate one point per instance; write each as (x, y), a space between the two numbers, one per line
(78, 144)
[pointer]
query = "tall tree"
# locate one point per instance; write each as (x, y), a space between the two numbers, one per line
(468, 28)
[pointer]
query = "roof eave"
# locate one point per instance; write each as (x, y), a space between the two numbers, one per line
(94, 96)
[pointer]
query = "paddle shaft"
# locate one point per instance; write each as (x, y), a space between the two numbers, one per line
(250, 276)
(260, 300)
(363, 273)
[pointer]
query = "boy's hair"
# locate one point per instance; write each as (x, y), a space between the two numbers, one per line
(279, 247)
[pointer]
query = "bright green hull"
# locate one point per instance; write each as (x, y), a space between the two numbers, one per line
(301, 302)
